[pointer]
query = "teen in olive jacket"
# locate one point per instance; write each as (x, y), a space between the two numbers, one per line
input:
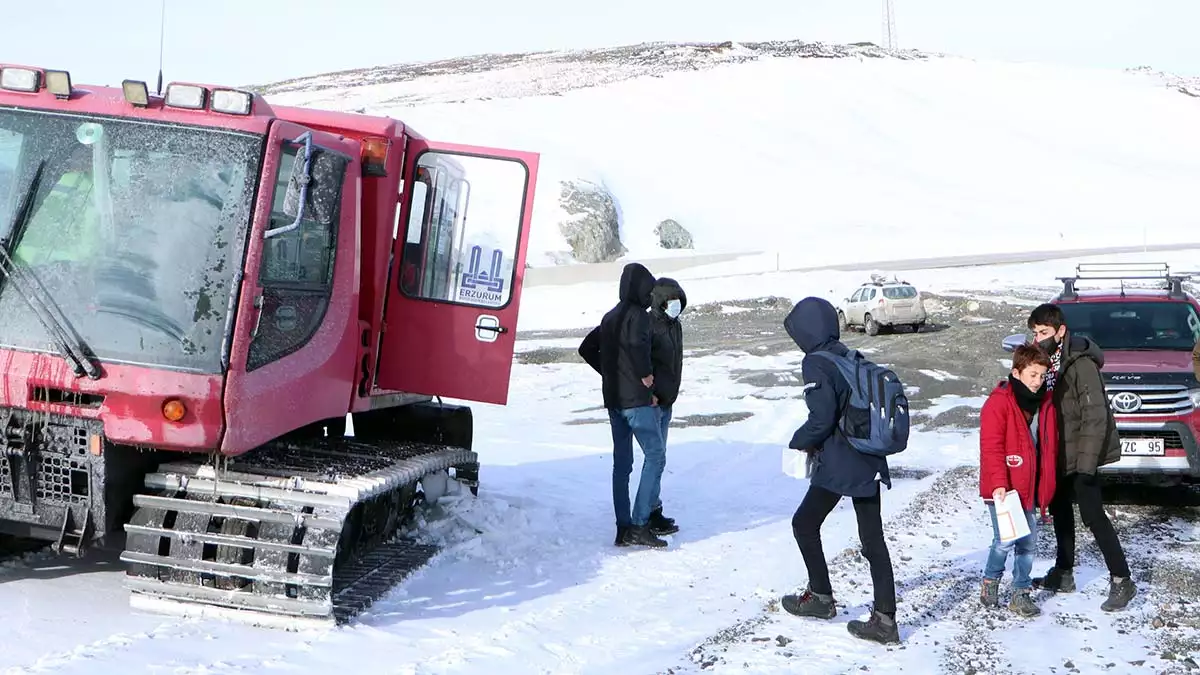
(1087, 441)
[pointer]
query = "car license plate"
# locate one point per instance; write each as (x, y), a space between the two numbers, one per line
(1143, 446)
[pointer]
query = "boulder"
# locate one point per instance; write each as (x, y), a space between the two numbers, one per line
(593, 228)
(673, 235)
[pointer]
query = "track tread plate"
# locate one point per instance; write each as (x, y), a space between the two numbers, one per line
(269, 587)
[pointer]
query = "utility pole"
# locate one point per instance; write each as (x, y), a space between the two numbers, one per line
(889, 26)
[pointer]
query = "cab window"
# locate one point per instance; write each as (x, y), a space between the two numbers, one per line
(296, 271)
(463, 229)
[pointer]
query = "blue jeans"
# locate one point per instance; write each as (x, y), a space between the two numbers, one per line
(645, 424)
(1022, 560)
(664, 417)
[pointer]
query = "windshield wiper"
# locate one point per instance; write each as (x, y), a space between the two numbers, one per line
(48, 313)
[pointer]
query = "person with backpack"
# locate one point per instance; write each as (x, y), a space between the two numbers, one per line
(1087, 441)
(667, 302)
(619, 349)
(1018, 450)
(848, 437)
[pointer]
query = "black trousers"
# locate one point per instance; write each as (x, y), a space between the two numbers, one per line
(1082, 489)
(806, 526)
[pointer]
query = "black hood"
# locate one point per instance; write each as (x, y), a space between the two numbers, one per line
(1079, 347)
(813, 324)
(636, 285)
(666, 289)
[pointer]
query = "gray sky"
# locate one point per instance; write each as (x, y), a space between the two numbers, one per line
(232, 42)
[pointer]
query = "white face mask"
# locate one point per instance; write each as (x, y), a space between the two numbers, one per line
(674, 307)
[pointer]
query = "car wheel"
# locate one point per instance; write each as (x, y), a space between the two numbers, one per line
(917, 327)
(842, 325)
(871, 326)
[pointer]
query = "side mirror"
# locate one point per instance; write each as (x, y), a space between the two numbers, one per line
(297, 186)
(1010, 343)
(314, 186)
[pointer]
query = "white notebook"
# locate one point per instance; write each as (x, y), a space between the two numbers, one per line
(797, 464)
(1010, 518)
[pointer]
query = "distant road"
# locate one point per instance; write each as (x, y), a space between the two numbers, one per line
(561, 275)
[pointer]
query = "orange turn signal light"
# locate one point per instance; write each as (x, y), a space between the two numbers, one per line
(173, 409)
(374, 155)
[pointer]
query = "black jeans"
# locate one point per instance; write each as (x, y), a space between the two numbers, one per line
(1082, 489)
(806, 526)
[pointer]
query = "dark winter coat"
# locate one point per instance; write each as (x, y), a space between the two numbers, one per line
(1007, 456)
(666, 341)
(1196, 360)
(1088, 432)
(839, 468)
(619, 348)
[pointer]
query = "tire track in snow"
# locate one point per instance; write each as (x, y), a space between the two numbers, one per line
(85, 657)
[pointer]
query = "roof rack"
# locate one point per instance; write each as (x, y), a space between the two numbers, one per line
(1123, 272)
(881, 280)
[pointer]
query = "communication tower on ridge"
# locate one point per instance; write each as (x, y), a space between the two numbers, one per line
(889, 25)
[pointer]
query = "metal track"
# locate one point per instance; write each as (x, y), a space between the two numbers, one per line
(291, 534)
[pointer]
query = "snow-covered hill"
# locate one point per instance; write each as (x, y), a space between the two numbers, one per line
(840, 153)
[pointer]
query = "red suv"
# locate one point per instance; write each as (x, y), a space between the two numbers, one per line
(1147, 334)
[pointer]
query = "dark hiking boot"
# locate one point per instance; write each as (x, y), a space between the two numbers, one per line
(809, 604)
(660, 524)
(879, 628)
(1120, 592)
(989, 592)
(622, 534)
(1022, 605)
(642, 536)
(1056, 581)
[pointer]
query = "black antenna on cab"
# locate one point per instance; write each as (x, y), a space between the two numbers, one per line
(162, 30)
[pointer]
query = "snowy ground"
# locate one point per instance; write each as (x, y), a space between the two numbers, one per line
(905, 157)
(530, 583)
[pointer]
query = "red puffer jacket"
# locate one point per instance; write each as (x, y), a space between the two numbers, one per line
(1006, 451)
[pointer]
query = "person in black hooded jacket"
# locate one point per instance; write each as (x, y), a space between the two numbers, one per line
(839, 471)
(620, 350)
(667, 302)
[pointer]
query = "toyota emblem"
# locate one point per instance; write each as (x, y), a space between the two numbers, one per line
(1126, 402)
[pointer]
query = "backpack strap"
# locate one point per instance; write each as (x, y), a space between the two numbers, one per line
(842, 407)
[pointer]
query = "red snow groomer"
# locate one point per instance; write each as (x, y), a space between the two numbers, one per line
(198, 289)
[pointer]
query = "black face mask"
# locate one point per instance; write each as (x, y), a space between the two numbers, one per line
(1049, 345)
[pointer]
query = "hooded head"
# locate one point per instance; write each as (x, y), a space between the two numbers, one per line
(813, 324)
(636, 285)
(1082, 347)
(666, 289)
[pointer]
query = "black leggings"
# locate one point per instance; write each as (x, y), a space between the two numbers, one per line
(806, 526)
(1084, 490)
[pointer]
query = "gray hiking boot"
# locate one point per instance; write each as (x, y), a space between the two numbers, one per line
(1120, 592)
(989, 592)
(1056, 581)
(879, 628)
(1022, 605)
(809, 604)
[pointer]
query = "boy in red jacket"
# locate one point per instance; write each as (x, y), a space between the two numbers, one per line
(1018, 441)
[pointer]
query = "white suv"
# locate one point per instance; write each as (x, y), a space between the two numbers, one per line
(883, 304)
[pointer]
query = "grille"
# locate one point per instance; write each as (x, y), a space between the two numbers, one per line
(61, 453)
(1149, 399)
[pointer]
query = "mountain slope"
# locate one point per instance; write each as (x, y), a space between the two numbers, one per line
(827, 154)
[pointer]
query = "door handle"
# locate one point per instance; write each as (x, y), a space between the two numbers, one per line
(258, 304)
(494, 329)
